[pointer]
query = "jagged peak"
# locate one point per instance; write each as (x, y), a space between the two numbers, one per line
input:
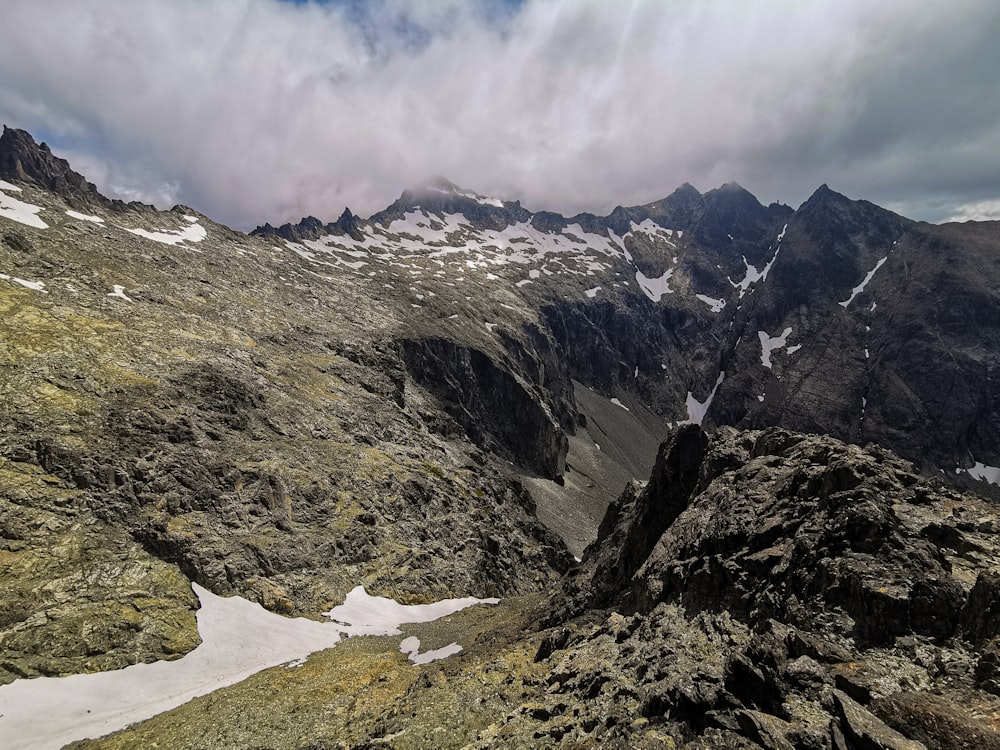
(686, 189)
(24, 160)
(824, 194)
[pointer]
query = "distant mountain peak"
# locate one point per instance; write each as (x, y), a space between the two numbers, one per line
(24, 160)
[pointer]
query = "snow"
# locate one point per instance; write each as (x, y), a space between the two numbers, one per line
(861, 287)
(239, 638)
(769, 343)
(698, 409)
(793, 349)
(761, 398)
(194, 232)
(715, 304)
(85, 217)
(411, 647)
(363, 614)
(616, 402)
(592, 292)
(752, 275)
(474, 196)
(656, 287)
(119, 292)
(38, 286)
(19, 211)
(985, 473)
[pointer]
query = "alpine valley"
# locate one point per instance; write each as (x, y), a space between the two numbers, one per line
(731, 471)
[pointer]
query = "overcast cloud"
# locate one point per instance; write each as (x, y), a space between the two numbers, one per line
(260, 110)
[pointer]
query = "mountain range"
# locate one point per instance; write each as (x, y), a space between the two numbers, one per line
(458, 396)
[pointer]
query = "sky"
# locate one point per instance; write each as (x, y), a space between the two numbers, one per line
(267, 110)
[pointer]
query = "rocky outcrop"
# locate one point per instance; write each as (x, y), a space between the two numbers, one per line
(23, 160)
(311, 228)
(78, 595)
(849, 580)
(802, 529)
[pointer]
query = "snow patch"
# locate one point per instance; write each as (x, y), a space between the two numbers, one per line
(85, 217)
(192, 233)
(616, 402)
(38, 286)
(864, 282)
(19, 211)
(239, 638)
(698, 409)
(769, 343)
(119, 291)
(715, 304)
(411, 647)
(985, 473)
(363, 614)
(592, 292)
(656, 287)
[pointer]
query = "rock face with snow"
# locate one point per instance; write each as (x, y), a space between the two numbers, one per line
(395, 402)
(764, 589)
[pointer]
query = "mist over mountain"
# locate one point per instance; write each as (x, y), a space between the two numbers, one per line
(699, 472)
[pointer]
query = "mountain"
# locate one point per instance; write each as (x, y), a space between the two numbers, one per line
(448, 398)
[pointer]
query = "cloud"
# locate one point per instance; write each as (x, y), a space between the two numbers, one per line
(258, 110)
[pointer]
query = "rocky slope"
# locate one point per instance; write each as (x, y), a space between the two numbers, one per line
(396, 402)
(763, 589)
(210, 401)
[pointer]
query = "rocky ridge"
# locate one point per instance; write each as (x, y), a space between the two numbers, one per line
(396, 401)
(762, 590)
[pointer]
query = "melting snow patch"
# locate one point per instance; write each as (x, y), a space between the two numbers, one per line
(769, 343)
(616, 402)
(411, 647)
(120, 293)
(239, 638)
(19, 211)
(490, 326)
(193, 233)
(656, 287)
(715, 304)
(363, 614)
(985, 473)
(861, 287)
(793, 349)
(85, 217)
(698, 409)
(38, 286)
(592, 292)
